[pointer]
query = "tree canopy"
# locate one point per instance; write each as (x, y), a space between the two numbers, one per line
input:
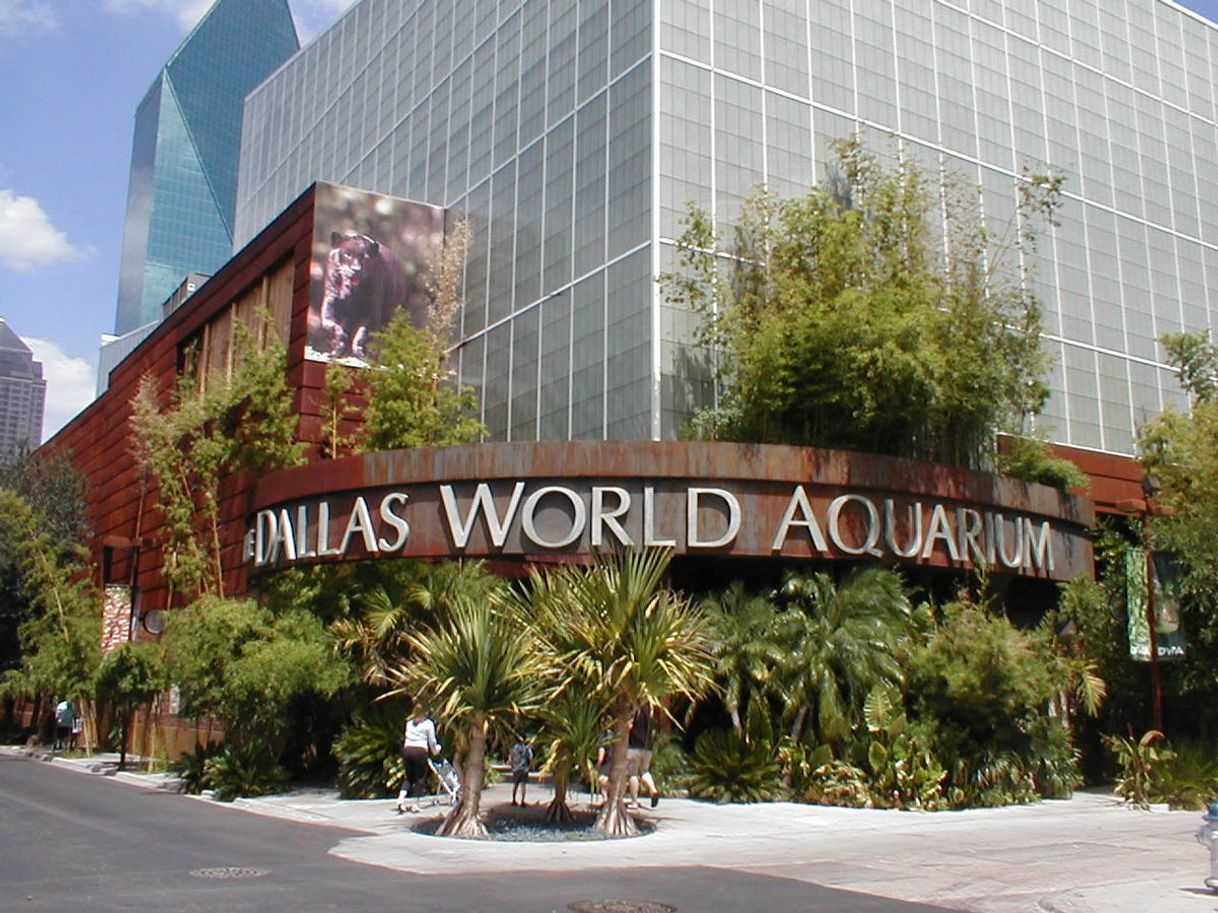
(1180, 450)
(214, 425)
(412, 398)
(872, 314)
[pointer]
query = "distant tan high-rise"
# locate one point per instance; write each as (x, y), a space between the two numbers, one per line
(23, 394)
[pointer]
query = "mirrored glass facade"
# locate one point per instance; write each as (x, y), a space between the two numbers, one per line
(575, 132)
(23, 392)
(181, 196)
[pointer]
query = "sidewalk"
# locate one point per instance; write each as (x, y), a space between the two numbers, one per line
(1089, 854)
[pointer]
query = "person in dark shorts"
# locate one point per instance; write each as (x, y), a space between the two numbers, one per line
(638, 757)
(520, 759)
(418, 740)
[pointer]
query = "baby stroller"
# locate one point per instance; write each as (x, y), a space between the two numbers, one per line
(450, 780)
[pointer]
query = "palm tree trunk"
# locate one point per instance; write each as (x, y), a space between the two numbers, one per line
(463, 820)
(737, 725)
(613, 820)
(797, 727)
(558, 812)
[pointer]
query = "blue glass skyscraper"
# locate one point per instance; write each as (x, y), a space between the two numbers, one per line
(182, 191)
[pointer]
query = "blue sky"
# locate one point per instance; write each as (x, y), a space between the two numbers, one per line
(73, 72)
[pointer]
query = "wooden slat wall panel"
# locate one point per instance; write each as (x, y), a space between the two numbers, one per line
(97, 440)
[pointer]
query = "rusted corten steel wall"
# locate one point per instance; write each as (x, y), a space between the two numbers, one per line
(123, 509)
(1113, 478)
(550, 501)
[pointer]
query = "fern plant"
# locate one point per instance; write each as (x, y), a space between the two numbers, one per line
(1190, 779)
(190, 769)
(369, 762)
(244, 770)
(728, 767)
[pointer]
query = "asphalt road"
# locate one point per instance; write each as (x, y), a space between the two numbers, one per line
(70, 841)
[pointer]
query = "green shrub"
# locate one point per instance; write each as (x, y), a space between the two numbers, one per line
(191, 768)
(1140, 766)
(1152, 771)
(1031, 459)
(244, 769)
(369, 761)
(1055, 760)
(902, 770)
(980, 688)
(838, 783)
(727, 767)
(1189, 780)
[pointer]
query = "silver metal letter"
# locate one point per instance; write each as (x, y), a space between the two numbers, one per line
(602, 518)
(693, 496)
(577, 524)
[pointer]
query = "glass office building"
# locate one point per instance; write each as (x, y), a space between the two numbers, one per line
(574, 132)
(23, 393)
(181, 197)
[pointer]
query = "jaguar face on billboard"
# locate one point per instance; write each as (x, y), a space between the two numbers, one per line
(373, 256)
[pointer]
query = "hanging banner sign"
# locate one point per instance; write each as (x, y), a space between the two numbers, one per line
(1163, 603)
(116, 616)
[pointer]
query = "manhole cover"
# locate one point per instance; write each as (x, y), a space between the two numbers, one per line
(621, 906)
(230, 871)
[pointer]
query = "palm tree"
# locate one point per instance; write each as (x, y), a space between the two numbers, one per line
(617, 631)
(573, 724)
(478, 668)
(746, 653)
(841, 639)
(376, 633)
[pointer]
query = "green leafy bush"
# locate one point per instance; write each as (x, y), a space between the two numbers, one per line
(727, 767)
(248, 665)
(191, 769)
(1141, 764)
(1054, 759)
(1189, 780)
(1152, 771)
(369, 762)
(903, 771)
(837, 783)
(1031, 459)
(981, 689)
(245, 769)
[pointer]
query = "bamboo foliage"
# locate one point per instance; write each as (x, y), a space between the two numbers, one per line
(204, 433)
(876, 313)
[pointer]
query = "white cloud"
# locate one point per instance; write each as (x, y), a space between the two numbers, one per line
(314, 16)
(28, 240)
(18, 16)
(71, 383)
(311, 16)
(185, 12)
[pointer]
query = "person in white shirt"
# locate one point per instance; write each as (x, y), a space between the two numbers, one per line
(418, 740)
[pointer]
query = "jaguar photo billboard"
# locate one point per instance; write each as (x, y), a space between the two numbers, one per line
(373, 255)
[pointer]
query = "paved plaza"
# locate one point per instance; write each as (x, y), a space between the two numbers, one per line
(1088, 854)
